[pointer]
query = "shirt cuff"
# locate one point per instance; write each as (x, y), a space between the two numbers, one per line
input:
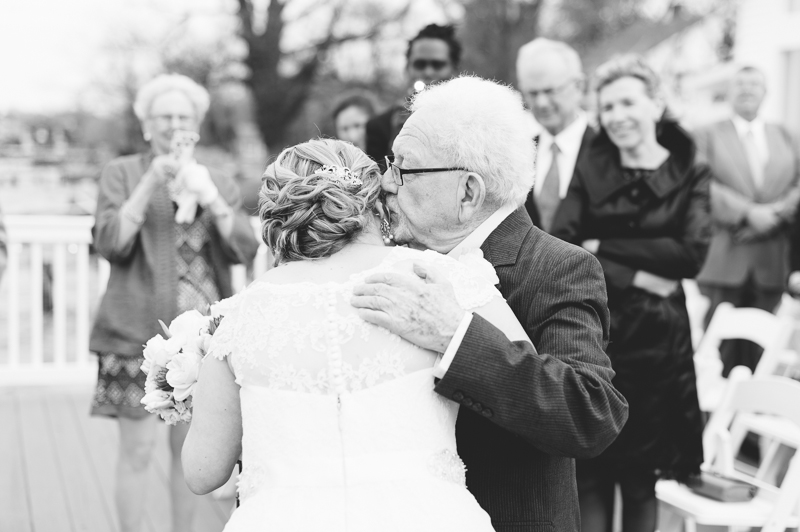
(444, 363)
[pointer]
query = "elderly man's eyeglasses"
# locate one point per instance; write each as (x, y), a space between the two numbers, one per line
(398, 173)
(550, 91)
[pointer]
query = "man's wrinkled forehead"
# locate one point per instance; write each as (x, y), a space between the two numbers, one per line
(415, 140)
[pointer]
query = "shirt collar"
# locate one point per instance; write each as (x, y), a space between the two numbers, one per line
(569, 139)
(476, 239)
(743, 126)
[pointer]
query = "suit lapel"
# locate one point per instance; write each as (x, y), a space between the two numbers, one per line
(502, 246)
(734, 150)
(776, 178)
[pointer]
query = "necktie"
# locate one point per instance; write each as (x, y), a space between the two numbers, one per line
(549, 197)
(755, 158)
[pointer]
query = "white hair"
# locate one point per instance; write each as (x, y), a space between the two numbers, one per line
(482, 126)
(168, 83)
(529, 52)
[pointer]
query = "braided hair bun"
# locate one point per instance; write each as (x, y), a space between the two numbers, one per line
(306, 215)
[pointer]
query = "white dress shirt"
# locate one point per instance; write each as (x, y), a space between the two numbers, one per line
(569, 144)
(758, 129)
(473, 241)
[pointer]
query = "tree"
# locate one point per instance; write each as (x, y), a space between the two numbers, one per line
(282, 80)
(493, 30)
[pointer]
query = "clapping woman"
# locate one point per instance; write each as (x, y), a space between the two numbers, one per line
(160, 267)
(639, 201)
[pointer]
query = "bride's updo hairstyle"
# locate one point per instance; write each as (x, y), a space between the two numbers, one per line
(310, 212)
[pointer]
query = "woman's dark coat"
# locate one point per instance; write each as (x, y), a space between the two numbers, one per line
(658, 222)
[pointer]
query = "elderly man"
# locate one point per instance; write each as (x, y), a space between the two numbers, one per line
(462, 170)
(754, 195)
(550, 77)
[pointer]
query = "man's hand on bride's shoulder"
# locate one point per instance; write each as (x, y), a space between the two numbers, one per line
(421, 308)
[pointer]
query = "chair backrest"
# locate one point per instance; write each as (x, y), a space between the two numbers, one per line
(759, 326)
(767, 330)
(771, 396)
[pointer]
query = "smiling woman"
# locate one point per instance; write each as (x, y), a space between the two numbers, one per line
(639, 201)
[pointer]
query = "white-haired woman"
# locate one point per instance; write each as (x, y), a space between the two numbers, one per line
(170, 228)
(639, 200)
(336, 420)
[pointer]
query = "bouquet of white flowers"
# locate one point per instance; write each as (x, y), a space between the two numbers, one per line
(172, 364)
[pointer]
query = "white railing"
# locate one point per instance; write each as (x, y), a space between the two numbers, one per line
(51, 288)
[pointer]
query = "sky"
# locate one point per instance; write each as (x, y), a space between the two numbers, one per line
(51, 50)
(54, 54)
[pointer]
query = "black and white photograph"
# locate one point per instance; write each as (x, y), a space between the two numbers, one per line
(400, 265)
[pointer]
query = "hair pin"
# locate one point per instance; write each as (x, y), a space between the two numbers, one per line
(341, 175)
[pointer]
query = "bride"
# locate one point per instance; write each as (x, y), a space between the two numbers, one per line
(336, 420)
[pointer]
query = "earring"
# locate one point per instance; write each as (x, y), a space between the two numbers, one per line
(147, 136)
(386, 232)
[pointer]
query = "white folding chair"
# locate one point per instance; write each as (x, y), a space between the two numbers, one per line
(770, 332)
(753, 402)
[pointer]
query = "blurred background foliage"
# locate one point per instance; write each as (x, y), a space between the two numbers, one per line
(276, 68)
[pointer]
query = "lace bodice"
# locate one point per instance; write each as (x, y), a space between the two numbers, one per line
(306, 337)
(342, 430)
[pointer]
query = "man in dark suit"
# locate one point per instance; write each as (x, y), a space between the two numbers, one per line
(754, 195)
(550, 78)
(463, 168)
(433, 55)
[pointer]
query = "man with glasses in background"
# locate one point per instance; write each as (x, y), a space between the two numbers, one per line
(433, 55)
(550, 77)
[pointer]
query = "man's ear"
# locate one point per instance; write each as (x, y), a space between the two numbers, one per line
(472, 195)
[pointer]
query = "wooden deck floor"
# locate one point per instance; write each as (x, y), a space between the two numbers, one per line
(57, 468)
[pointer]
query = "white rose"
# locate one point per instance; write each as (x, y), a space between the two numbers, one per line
(221, 308)
(182, 373)
(189, 325)
(156, 400)
(157, 352)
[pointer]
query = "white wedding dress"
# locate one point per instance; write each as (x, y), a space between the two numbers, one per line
(342, 428)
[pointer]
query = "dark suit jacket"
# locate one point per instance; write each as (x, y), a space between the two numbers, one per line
(733, 193)
(381, 132)
(528, 412)
(530, 203)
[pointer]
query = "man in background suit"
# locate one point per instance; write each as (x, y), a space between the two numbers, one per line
(754, 195)
(528, 409)
(432, 55)
(550, 77)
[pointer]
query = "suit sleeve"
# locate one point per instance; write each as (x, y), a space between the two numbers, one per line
(678, 257)
(787, 206)
(557, 396)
